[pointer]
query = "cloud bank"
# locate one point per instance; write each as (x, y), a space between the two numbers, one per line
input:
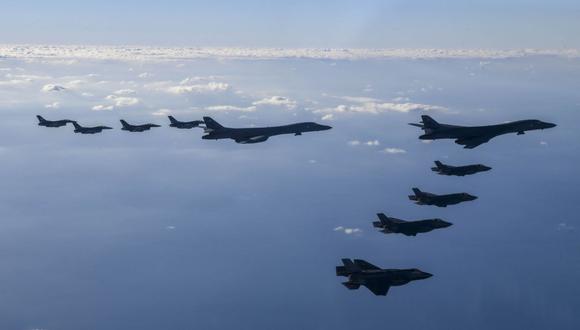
(68, 52)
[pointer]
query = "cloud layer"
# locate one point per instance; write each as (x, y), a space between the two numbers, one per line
(43, 52)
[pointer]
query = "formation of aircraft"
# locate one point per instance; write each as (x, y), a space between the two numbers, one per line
(360, 272)
(472, 136)
(444, 169)
(377, 280)
(390, 225)
(425, 198)
(215, 131)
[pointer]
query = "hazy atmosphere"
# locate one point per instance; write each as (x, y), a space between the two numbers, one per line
(164, 230)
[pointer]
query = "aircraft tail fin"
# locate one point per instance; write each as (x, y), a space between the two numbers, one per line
(173, 120)
(348, 268)
(40, 119)
(76, 125)
(384, 220)
(211, 124)
(124, 123)
(429, 123)
(417, 191)
(439, 164)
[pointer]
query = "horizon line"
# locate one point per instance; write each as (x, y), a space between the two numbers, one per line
(145, 53)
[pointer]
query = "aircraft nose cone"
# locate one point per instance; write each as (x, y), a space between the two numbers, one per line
(325, 127)
(550, 125)
(425, 275)
(446, 224)
(485, 168)
(472, 197)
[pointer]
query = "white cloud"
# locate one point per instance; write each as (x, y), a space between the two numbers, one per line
(53, 105)
(210, 87)
(14, 82)
(122, 101)
(231, 108)
(75, 52)
(52, 88)
(101, 107)
(125, 91)
(277, 101)
(144, 75)
(372, 143)
(328, 117)
(348, 231)
(394, 151)
(161, 112)
(373, 106)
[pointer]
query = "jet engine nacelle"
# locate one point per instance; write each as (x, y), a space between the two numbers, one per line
(255, 139)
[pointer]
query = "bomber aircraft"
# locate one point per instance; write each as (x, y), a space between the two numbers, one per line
(215, 131)
(473, 136)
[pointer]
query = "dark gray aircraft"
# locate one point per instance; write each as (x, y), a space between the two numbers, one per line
(89, 130)
(216, 131)
(184, 124)
(390, 225)
(444, 169)
(425, 198)
(360, 272)
(137, 128)
(471, 137)
(52, 123)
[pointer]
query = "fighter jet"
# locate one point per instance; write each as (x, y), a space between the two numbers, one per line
(216, 131)
(425, 198)
(137, 128)
(52, 123)
(89, 130)
(184, 124)
(360, 272)
(444, 169)
(390, 225)
(471, 137)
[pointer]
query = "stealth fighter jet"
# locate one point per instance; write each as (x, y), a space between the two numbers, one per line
(390, 225)
(52, 123)
(360, 272)
(137, 128)
(425, 198)
(89, 130)
(184, 124)
(471, 137)
(216, 131)
(444, 169)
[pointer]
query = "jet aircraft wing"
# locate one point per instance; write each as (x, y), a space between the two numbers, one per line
(470, 143)
(378, 287)
(365, 265)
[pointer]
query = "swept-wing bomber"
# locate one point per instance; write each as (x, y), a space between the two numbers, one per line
(473, 136)
(215, 131)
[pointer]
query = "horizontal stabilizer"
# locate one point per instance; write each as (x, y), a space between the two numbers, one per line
(351, 286)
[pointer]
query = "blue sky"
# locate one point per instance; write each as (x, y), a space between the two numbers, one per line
(370, 24)
(164, 230)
